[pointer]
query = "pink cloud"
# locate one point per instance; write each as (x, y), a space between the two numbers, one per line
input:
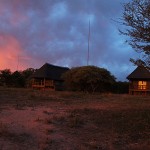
(11, 53)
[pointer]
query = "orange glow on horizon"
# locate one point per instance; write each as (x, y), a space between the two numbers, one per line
(10, 50)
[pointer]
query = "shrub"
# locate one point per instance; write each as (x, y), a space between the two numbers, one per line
(88, 79)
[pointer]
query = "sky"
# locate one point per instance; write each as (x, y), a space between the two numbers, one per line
(35, 32)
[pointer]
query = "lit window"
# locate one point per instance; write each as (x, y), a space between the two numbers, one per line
(142, 85)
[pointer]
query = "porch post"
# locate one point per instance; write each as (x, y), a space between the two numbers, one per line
(44, 82)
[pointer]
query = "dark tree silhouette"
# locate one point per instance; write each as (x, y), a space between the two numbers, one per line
(89, 79)
(15, 79)
(28, 72)
(136, 19)
(26, 75)
(120, 87)
(5, 77)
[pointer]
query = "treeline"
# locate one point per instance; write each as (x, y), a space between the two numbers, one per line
(15, 79)
(88, 79)
(93, 79)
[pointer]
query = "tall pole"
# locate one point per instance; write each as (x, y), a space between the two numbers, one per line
(18, 63)
(88, 55)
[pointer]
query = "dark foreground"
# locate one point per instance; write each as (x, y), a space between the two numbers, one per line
(44, 120)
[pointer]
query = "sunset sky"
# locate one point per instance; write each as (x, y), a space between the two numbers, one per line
(33, 32)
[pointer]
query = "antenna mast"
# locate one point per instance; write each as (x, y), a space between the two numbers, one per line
(88, 55)
(18, 63)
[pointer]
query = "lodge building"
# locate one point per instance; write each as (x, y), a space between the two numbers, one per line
(139, 81)
(48, 77)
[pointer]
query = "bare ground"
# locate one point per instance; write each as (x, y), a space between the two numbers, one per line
(45, 120)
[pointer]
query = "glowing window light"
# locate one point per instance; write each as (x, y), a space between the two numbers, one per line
(142, 85)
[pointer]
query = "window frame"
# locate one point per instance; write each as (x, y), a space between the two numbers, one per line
(142, 85)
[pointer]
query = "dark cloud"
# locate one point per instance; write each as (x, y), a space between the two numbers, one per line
(56, 31)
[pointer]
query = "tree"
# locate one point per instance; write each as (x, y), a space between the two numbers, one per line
(88, 79)
(120, 87)
(136, 19)
(27, 74)
(17, 79)
(5, 77)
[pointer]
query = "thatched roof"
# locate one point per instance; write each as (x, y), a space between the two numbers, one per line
(49, 71)
(140, 73)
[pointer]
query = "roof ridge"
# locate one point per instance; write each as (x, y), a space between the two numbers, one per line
(50, 71)
(55, 65)
(140, 72)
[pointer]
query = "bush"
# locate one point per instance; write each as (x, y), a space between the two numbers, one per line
(88, 79)
(120, 87)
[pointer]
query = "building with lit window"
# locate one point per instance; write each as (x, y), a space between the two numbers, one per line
(139, 81)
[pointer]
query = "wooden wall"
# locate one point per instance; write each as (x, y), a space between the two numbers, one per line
(135, 89)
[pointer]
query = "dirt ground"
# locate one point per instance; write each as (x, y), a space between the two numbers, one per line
(46, 120)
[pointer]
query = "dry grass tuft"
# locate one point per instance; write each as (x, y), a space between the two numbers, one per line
(3, 129)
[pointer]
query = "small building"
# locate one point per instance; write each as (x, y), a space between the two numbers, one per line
(139, 81)
(48, 77)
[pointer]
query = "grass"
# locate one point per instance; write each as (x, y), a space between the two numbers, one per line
(17, 138)
(89, 122)
(3, 129)
(100, 129)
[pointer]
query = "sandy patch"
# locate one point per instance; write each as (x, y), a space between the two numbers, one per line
(30, 123)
